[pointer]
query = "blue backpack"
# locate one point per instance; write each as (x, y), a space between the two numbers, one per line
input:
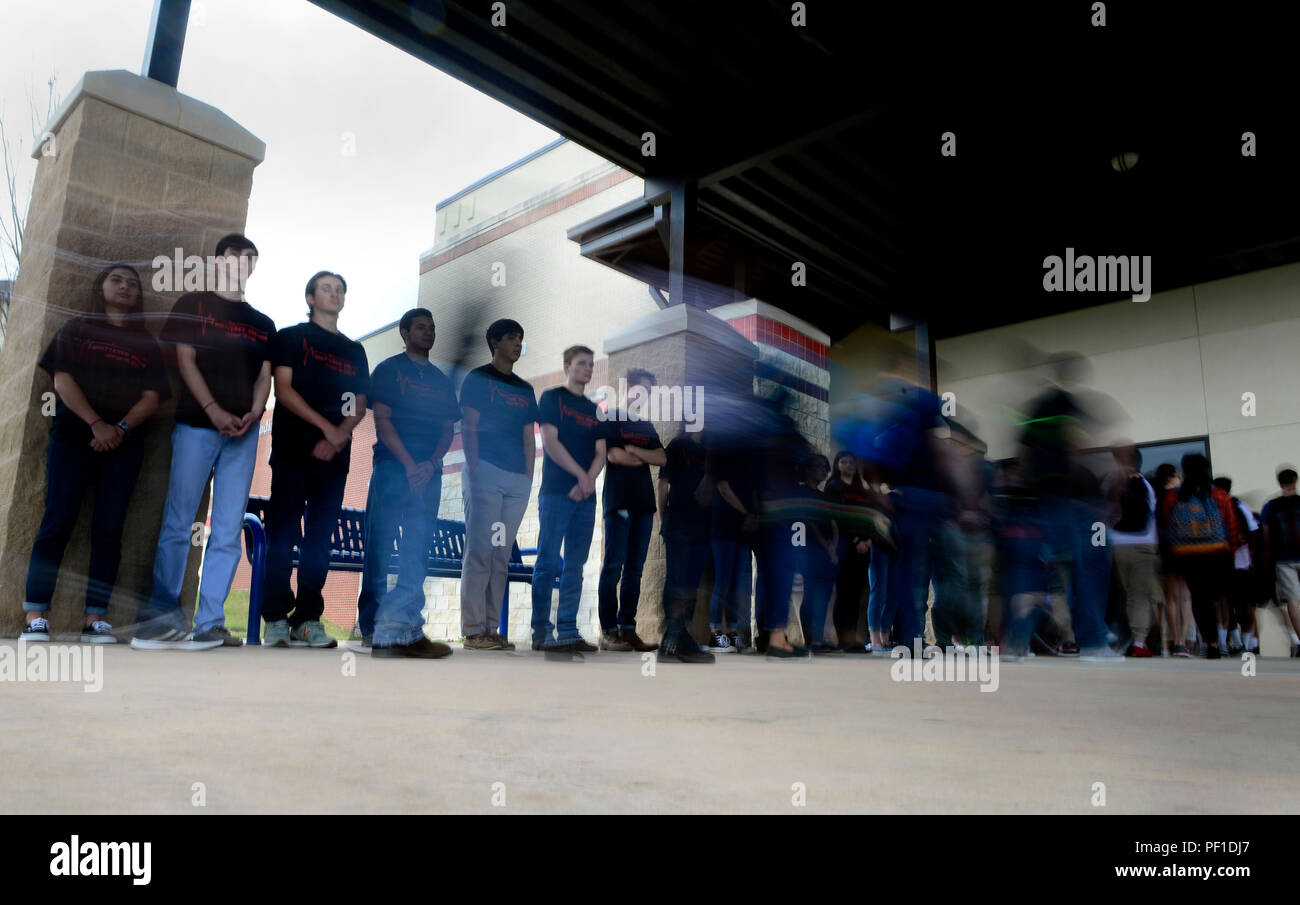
(1196, 528)
(880, 430)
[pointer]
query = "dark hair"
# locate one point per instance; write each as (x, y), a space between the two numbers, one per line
(236, 243)
(404, 325)
(97, 307)
(1129, 454)
(639, 375)
(574, 351)
(1286, 476)
(1224, 483)
(500, 329)
(857, 476)
(1163, 473)
(1196, 476)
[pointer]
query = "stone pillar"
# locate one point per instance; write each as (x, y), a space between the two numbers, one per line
(130, 169)
(688, 347)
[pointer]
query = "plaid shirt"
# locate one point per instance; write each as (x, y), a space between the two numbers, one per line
(1237, 536)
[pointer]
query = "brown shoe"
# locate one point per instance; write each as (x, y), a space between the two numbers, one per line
(421, 648)
(629, 636)
(504, 644)
(610, 641)
(483, 641)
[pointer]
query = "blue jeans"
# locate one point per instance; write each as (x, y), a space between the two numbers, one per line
(198, 453)
(776, 566)
(732, 579)
(561, 521)
(69, 473)
(915, 522)
(399, 618)
(878, 575)
(627, 539)
(685, 560)
(814, 564)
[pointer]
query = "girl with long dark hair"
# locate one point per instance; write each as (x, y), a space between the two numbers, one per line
(109, 377)
(847, 489)
(1201, 530)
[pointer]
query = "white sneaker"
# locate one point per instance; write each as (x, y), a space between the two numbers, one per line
(1101, 654)
(98, 632)
(173, 639)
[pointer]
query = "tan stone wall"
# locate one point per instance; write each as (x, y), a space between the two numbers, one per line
(120, 187)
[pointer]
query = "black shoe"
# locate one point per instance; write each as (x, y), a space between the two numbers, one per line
(580, 645)
(1212, 652)
(760, 642)
(684, 649)
(821, 647)
(852, 648)
(563, 653)
(422, 649)
(781, 653)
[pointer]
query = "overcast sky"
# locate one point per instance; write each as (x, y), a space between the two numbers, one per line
(298, 78)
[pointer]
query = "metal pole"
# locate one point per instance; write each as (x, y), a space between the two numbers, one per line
(166, 43)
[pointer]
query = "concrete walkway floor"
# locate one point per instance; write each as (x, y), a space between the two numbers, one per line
(286, 730)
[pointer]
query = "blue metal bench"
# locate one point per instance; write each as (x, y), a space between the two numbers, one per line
(347, 554)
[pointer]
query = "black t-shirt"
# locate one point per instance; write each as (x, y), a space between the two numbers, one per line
(325, 366)
(741, 472)
(847, 495)
(423, 403)
(230, 340)
(684, 518)
(629, 486)
(1282, 516)
(505, 403)
(1053, 419)
(577, 428)
(111, 365)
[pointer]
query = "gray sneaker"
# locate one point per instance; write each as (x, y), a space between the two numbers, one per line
(277, 634)
(485, 641)
(311, 634)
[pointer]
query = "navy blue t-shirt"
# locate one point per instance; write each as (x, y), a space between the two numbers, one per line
(111, 365)
(326, 366)
(423, 403)
(577, 428)
(505, 403)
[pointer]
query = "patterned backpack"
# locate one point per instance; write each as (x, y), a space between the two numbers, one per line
(1196, 527)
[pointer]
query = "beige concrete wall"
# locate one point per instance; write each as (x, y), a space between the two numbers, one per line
(1177, 366)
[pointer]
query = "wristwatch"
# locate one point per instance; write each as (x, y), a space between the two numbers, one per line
(126, 428)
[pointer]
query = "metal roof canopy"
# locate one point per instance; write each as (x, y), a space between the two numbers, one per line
(821, 143)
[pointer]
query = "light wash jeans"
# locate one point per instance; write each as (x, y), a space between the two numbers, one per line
(399, 619)
(198, 453)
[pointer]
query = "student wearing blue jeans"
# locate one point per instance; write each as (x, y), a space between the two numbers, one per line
(629, 501)
(573, 440)
(109, 376)
(222, 349)
(415, 411)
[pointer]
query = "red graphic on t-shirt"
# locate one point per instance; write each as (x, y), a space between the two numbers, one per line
(636, 438)
(418, 387)
(232, 329)
(514, 400)
(582, 418)
(114, 353)
(333, 362)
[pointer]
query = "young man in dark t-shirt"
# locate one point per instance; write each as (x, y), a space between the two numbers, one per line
(629, 514)
(109, 376)
(1281, 522)
(498, 411)
(322, 381)
(222, 347)
(573, 440)
(415, 411)
(685, 489)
